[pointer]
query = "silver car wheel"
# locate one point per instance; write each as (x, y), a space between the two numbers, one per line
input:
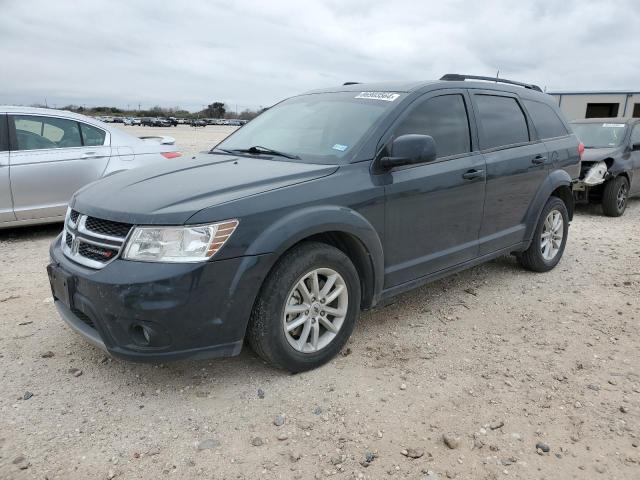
(621, 198)
(315, 310)
(552, 233)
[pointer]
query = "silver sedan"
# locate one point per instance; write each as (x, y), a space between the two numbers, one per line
(46, 155)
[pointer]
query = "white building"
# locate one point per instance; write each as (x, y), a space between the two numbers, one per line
(577, 105)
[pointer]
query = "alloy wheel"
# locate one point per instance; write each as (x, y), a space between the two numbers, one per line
(315, 310)
(552, 233)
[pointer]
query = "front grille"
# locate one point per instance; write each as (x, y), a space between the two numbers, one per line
(91, 241)
(107, 227)
(84, 317)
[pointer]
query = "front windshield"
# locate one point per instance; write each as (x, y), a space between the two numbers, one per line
(317, 128)
(600, 135)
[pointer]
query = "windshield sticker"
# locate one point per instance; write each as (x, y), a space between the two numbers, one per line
(340, 148)
(613, 125)
(386, 96)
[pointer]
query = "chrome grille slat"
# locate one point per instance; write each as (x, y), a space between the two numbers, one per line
(89, 247)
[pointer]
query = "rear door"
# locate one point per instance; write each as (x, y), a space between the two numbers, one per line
(6, 202)
(517, 164)
(434, 210)
(51, 158)
(635, 159)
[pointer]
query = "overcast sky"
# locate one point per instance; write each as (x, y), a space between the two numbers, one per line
(190, 53)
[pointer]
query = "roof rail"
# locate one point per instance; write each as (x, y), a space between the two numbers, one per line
(351, 83)
(453, 77)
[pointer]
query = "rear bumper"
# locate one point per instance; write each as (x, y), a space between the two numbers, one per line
(186, 311)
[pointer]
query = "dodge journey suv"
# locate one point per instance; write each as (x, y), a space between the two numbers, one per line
(328, 203)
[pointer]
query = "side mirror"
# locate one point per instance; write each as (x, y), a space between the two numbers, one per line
(410, 149)
(635, 146)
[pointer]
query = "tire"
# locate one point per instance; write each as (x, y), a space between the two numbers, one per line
(615, 196)
(537, 258)
(282, 288)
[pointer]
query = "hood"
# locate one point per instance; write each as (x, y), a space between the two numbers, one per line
(171, 192)
(597, 154)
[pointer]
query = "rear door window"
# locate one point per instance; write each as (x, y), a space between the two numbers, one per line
(546, 121)
(445, 119)
(92, 136)
(4, 133)
(35, 132)
(502, 121)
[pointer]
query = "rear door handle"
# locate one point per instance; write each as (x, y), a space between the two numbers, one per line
(538, 159)
(471, 174)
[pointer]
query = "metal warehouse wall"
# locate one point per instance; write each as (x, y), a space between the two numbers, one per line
(574, 105)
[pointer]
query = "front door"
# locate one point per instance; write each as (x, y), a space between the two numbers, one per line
(6, 203)
(434, 210)
(51, 158)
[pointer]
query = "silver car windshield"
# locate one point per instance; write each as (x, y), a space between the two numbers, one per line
(315, 128)
(600, 135)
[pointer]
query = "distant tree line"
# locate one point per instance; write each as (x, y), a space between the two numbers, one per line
(213, 110)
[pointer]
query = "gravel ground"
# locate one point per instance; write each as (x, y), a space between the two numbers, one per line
(463, 378)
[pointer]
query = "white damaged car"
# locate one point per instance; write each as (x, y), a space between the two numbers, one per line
(46, 155)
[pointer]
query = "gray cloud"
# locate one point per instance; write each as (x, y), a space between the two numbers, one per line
(253, 53)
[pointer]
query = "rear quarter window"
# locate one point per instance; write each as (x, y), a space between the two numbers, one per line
(92, 136)
(502, 121)
(545, 120)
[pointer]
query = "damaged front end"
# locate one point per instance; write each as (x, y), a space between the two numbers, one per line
(592, 174)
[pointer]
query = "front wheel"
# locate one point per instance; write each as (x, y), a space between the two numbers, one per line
(549, 238)
(614, 197)
(306, 309)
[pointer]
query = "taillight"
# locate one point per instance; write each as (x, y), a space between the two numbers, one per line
(175, 154)
(580, 149)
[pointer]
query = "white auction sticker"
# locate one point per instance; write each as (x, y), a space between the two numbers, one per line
(386, 96)
(613, 125)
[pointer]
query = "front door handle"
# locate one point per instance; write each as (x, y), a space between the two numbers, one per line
(471, 174)
(538, 159)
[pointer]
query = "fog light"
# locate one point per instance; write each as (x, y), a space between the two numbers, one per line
(141, 335)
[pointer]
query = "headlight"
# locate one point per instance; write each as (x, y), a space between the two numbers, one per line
(196, 243)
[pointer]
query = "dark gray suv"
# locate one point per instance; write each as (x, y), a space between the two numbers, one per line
(328, 203)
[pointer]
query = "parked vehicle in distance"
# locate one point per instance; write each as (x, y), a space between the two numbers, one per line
(328, 203)
(155, 122)
(171, 121)
(127, 121)
(610, 171)
(198, 123)
(46, 155)
(136, 121)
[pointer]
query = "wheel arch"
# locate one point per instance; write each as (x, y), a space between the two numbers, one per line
(558, 184)
(340, 227)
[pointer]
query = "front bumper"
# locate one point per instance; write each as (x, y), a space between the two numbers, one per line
(196, 310)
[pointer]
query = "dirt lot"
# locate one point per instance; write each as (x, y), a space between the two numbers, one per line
(495, 359)
(190, 139)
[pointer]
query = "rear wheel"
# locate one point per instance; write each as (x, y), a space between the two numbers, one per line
(549, 238)
(614, 197)
(306, 309)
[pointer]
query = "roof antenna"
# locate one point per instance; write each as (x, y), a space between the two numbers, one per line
(497, 75)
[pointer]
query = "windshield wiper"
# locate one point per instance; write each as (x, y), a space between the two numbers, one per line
(214, 149)
(257, 149)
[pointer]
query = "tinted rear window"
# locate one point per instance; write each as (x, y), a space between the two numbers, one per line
(501, 121)
(546, 121)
